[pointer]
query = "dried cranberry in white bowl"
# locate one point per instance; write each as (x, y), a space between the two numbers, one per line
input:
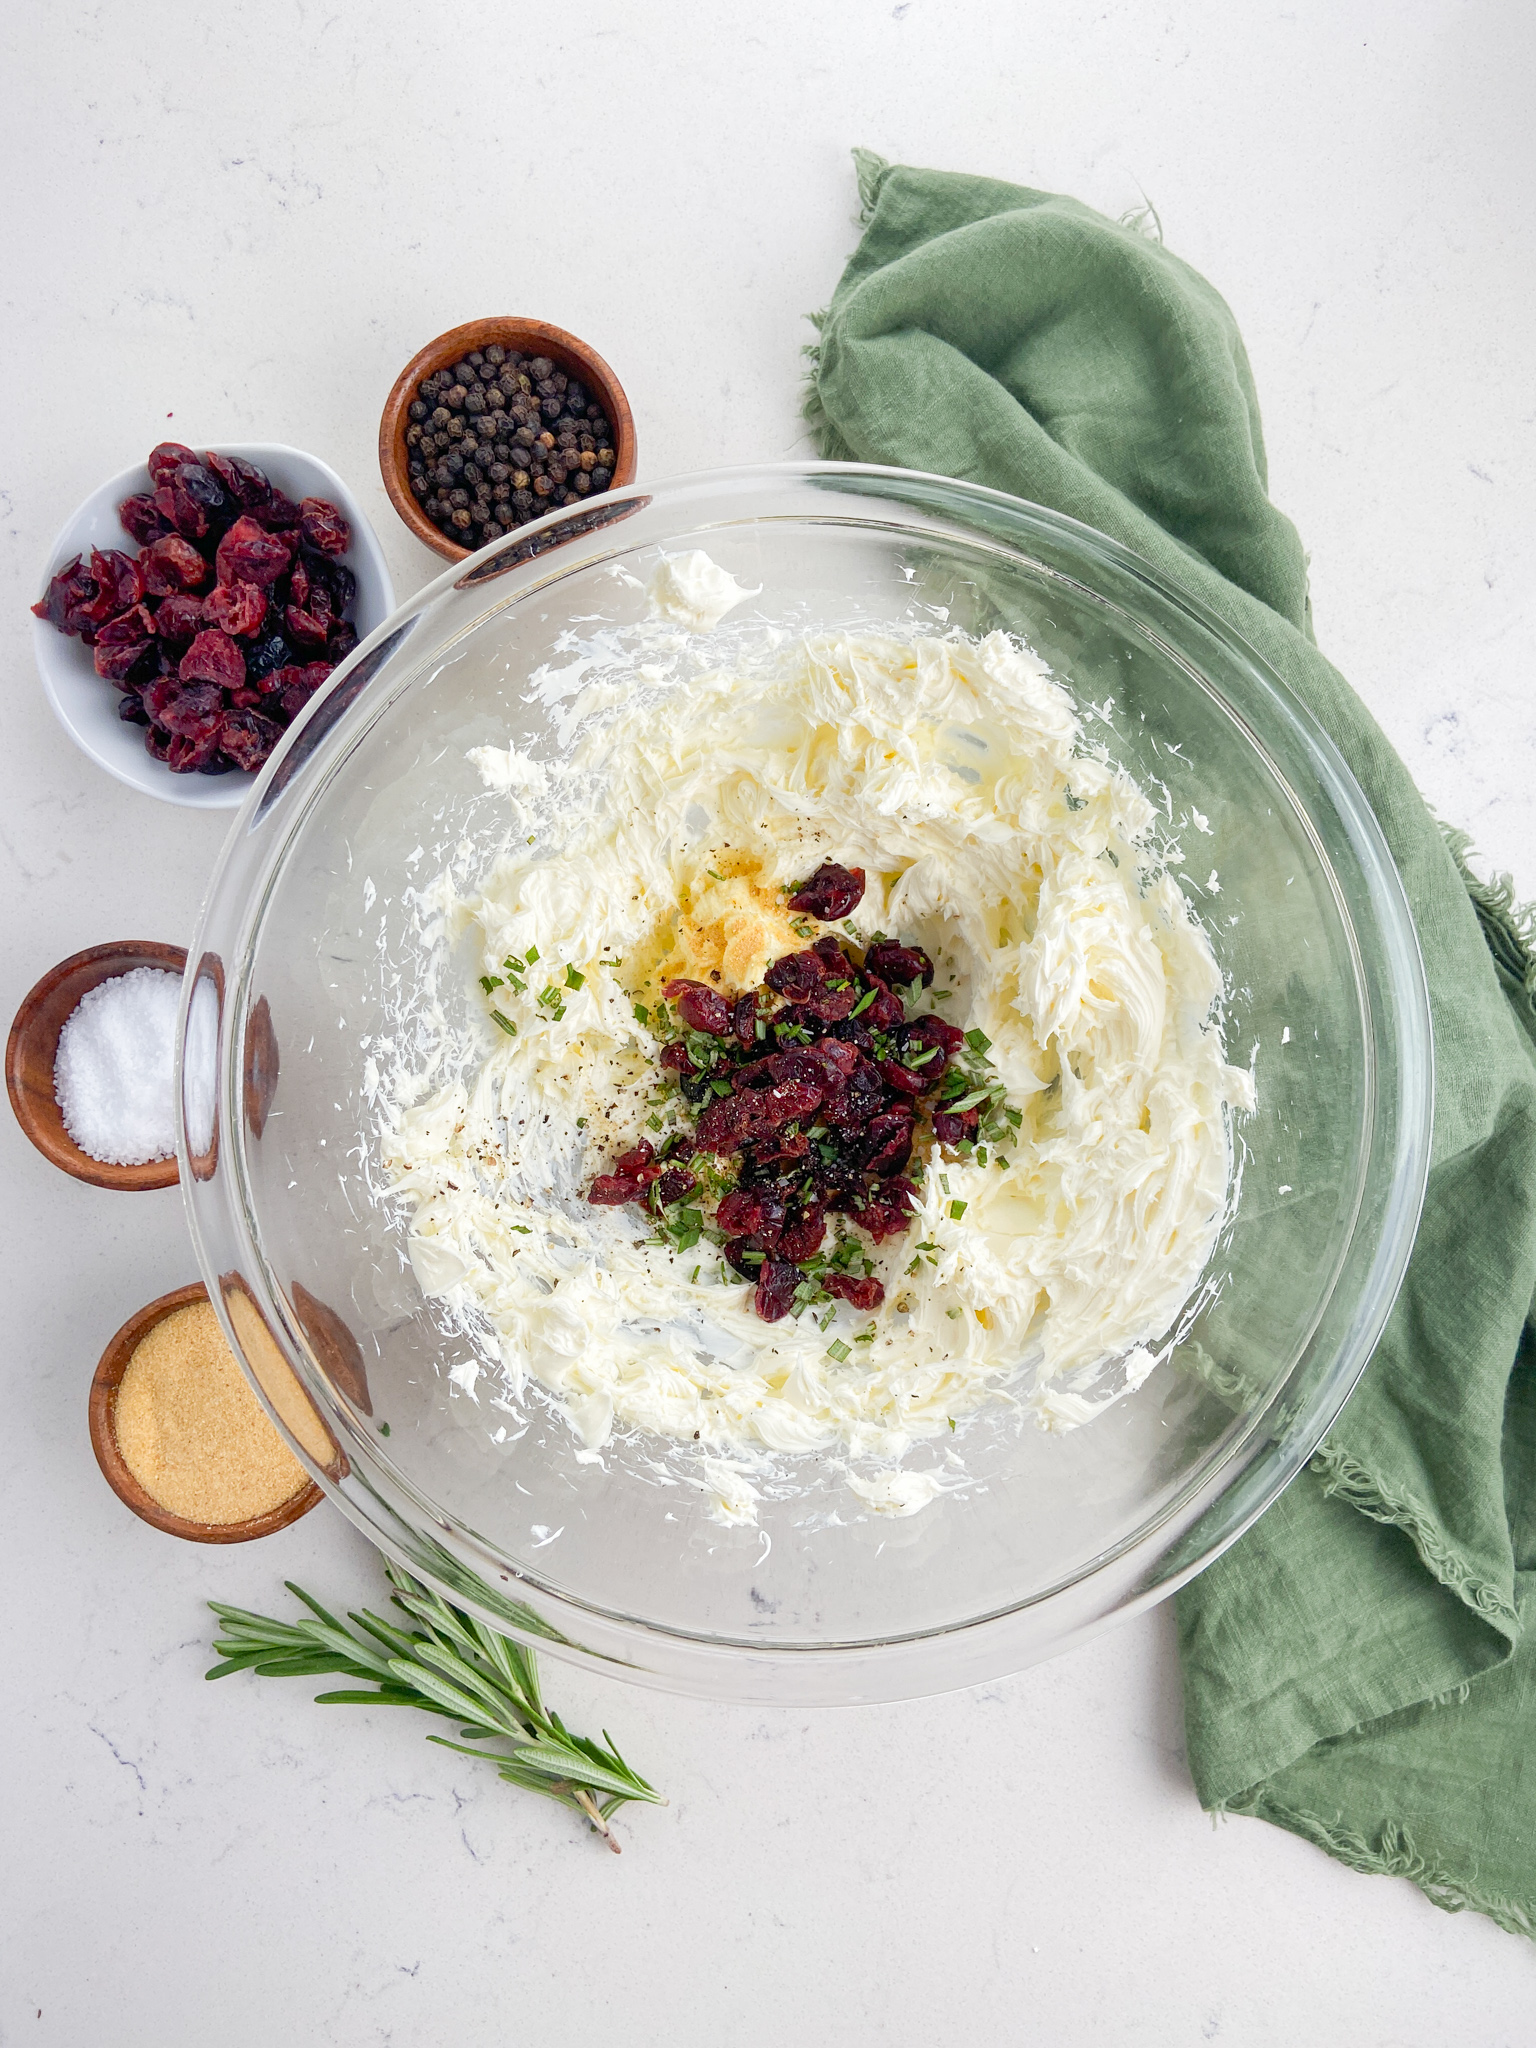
(86, 705)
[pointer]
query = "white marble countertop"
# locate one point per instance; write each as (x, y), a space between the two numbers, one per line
(235, 223)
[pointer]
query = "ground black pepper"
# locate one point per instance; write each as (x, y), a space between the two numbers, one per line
(498, 439)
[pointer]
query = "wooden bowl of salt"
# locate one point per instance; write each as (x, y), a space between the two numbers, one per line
(32, 1051)
(181, 1438)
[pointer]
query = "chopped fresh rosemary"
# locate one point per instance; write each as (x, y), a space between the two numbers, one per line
(451, 1665)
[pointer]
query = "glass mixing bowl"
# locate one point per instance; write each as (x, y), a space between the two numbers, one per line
(297, 973)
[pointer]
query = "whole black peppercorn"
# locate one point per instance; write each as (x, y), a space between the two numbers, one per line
(454, 397)
(458, 498)
(420, 488)
(474, 401)
(493, 530)
(485, 371)
(539, 366)
(418, 410)
(443, 475)
(520, 479)
(522, 500)
(581, 483)
(455, 428)
(542, 486)
(454, 464)
(601, 478)
(550, 407)
(441, 416)
(413, 436)
(460, 519)
(496, 353)
(474, 359)
(588, 460)
(498, 472)
(471, 473)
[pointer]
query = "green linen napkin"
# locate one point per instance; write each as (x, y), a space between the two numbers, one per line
(1355, 1667)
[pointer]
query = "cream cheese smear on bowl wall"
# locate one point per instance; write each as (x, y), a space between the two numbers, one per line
(710, 1168)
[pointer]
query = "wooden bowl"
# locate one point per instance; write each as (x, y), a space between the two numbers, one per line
(34, 1044)
(529, 338)
(104, 1385)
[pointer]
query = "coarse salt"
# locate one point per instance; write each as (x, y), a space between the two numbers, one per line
(112, 1076)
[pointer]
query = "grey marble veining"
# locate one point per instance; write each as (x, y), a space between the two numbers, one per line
(235, 223)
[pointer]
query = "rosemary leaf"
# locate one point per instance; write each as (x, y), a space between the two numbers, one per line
(453, 1666)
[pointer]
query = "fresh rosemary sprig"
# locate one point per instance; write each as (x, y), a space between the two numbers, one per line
(452, 1665)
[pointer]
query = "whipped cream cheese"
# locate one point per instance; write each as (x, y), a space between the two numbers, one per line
(693, 591)
(954, 772)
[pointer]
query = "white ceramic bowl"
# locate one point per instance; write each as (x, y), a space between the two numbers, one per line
(86, 706)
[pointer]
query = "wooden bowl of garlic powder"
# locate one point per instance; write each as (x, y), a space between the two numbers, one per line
(179, 1435)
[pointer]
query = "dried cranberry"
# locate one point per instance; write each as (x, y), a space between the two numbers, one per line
(833, 1005)
(186, 515)
(888, 1143)
(950, 1129)
(278, 514)
(130, 709)
(340, 640)
(244, 699)
(828, 950)
(883, 1220)
(305, 627)
(172, 566)
(178, 618)
(737, 1120)
(236, 608)
(886, 1012)
(859, 1099)
(897, 965)
(249, 554)
(213, 658)
(674, 1057)
(157, 743)
(674, 1183)
(298, 685)
(771, 1155)
(60, 604)
(641, 1153)
(797, 976)
(902, 1079)
(137, 516)
(188, 754)
(836, 1060)
(192, 712)
(121, 643)
(830, 893)
(797, 1065)
(169, 457)
(204, 486)
(748, 1212)
(744, 1020)
(119, 584)
(248, 738)
(324, 527)
(267, 656)
(932, 1030)
(701, 1008)
(777, 1280)
(611, 1190)
(864, 1294)
(245, 483)
(802, 1235)
(852, 1031)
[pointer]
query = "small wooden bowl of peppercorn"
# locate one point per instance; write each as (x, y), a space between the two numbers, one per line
(496, 423)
